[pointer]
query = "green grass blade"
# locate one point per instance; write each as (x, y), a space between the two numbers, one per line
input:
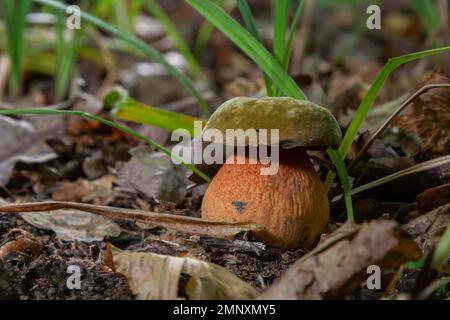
(178, 41)
(338, 162)
(371, 96)
(427, 13)
(146, 49)
(427, 165)
(15, 22)
(442, 251)
(292, 31)
(121, 16)
(250, 24)
(66, 55)
(280, 28)
(108, 123)
(206, 31)
(249, 44)
(247, 15)
(126, 108)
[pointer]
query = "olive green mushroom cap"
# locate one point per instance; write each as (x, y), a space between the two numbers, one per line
(300, 123)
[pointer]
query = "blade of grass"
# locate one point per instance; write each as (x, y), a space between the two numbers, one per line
(250, 24)
(207, 28)
(292, 31)
(427, 13)
(66, 54)
(146, 49)
(370, 97)
(108, 123)
(249, 44)
(280, 27)
(247, 15)
(427, 165)
(16, 20)
(338, 162)
(442, 287)
(121, 16)
(178, 41)
(442, 251)
(126, 108)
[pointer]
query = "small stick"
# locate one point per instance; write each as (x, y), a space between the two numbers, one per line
(179, 223)
(391, 119)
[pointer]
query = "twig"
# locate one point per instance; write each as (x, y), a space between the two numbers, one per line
(170, 221)
(392, 118)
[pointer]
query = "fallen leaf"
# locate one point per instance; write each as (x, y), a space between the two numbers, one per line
(428, 228)
(97, 191)
(21, 142)
(155, 175)
(340, 267)
(157, 277)
(72, 225)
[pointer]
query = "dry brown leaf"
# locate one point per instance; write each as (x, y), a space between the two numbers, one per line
(157, 277)
(428, 228)
(21, 142)
(72, 225)
(155, 175)
(97, 191)
(339, 267)
(429, 116)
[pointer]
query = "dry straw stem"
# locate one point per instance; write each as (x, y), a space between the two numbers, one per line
(180, 223)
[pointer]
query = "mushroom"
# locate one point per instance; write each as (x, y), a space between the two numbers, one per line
(291, 206)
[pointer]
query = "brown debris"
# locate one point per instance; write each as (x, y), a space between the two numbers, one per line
(428, 228)
(429, 116)
(338, 269)
(433, 197)
(20, 241)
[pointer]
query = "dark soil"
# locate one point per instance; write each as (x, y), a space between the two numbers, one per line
(44, 277)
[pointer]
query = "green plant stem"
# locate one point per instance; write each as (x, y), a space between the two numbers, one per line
(16, 20)
(338, 162)
(108, 123)
(146, 49)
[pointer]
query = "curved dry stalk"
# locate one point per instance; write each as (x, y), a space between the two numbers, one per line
(392, 118)
(179, 223)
